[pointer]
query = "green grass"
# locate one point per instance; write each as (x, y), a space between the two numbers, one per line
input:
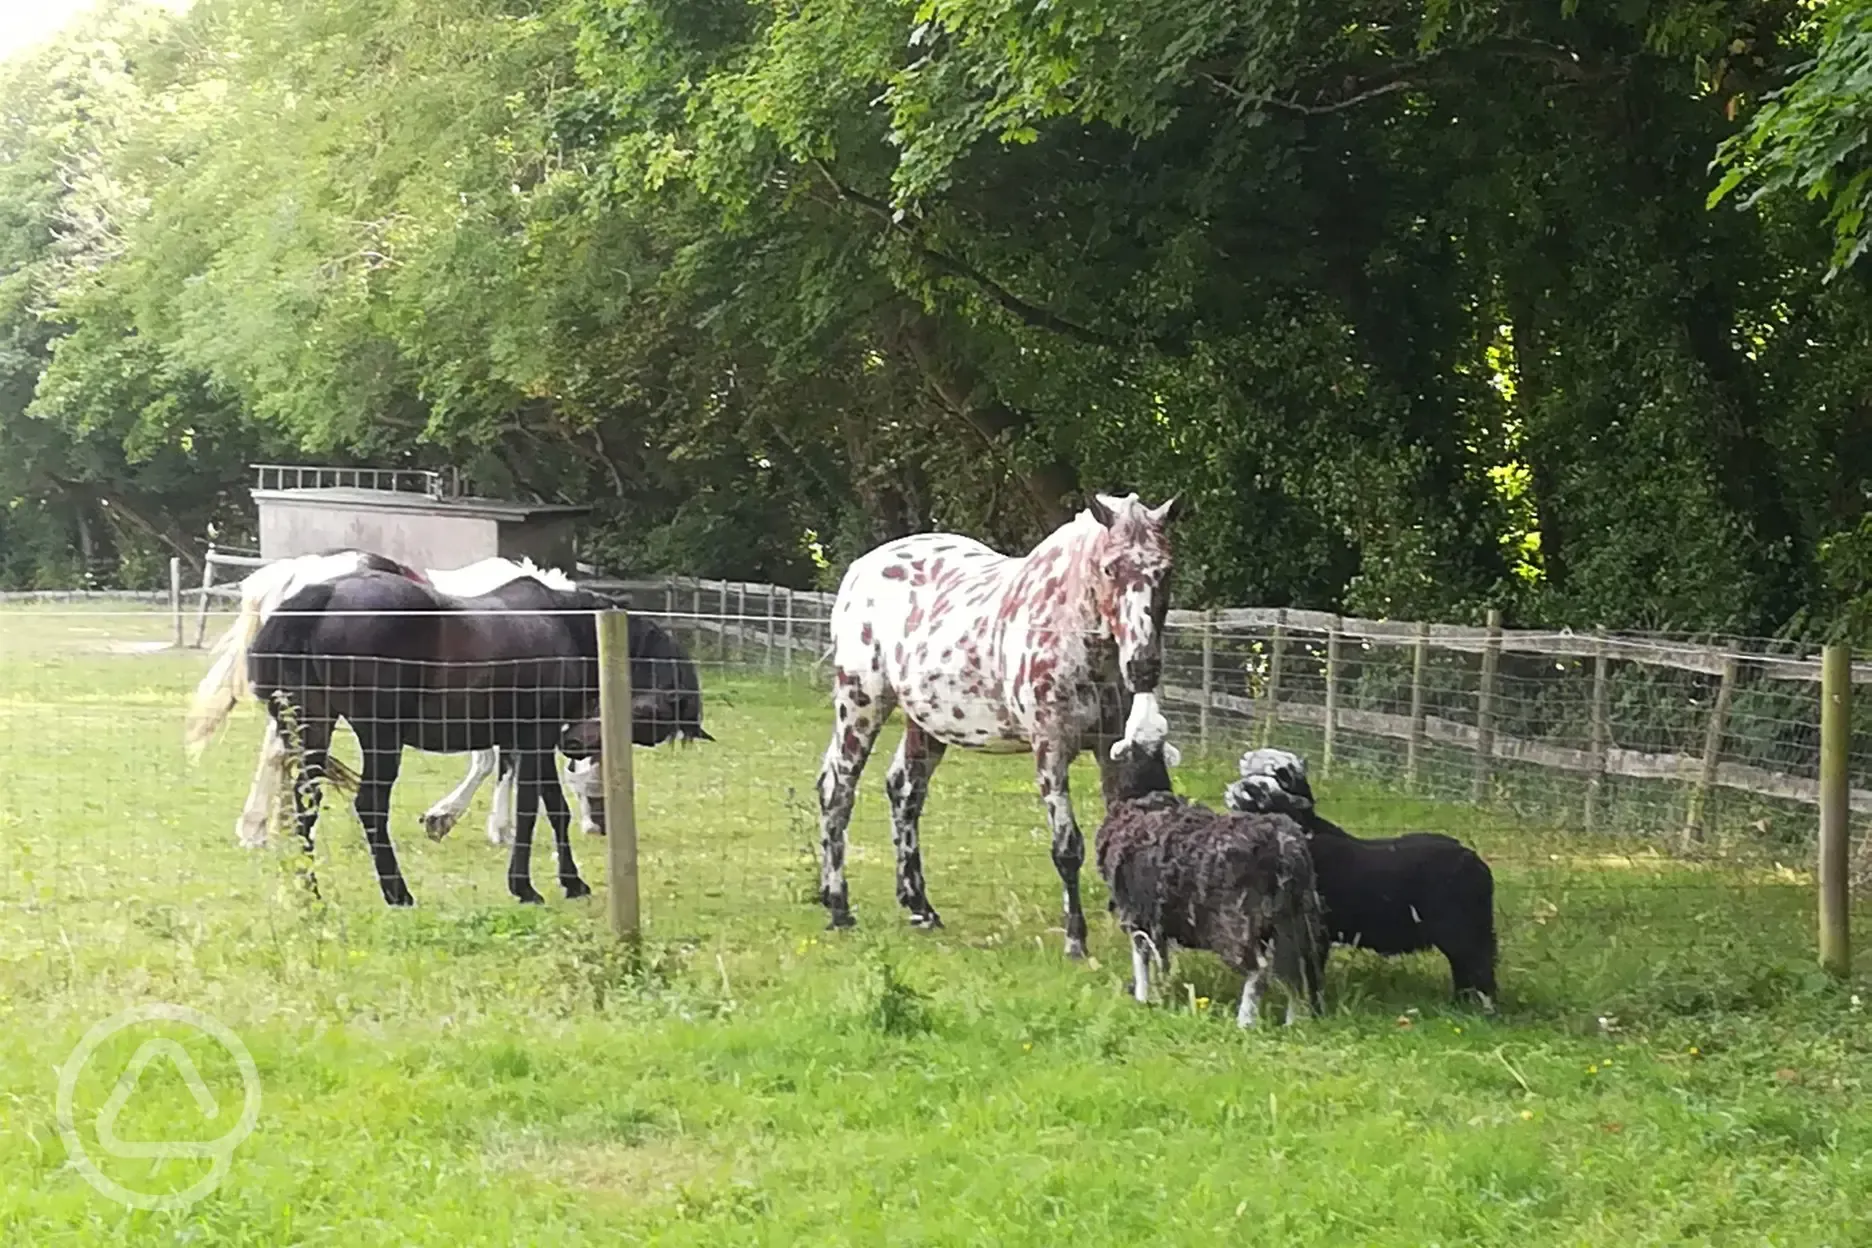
(475, 1072)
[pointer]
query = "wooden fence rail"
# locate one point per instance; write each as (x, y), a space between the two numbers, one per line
(790, 626)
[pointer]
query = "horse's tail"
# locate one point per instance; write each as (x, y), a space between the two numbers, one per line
(285, 646)
(225, 683)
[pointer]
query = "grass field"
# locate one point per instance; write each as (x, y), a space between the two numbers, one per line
(475, 1072)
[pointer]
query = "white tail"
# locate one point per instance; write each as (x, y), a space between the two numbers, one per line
(225, 683)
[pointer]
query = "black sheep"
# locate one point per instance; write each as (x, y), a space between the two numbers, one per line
(1397, 895)
(1240, 886)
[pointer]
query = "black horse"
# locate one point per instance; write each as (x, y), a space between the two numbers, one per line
(404, 664)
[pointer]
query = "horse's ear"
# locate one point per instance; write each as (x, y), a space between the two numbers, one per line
(1167, 512)
(1103, 509)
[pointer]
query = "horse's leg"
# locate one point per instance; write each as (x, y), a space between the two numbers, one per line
(587, 824)
(257, 815)
(861, 704)
(526, 808)
(553, 798)
(383, 759)
(1052, 761)
(500, 827)
(907, 784)
(1114, 709)
(441, 818)
(313, 740)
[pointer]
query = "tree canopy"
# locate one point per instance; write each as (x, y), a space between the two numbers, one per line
(1421, 307)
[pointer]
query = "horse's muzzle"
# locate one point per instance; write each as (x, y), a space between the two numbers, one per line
(1143, 673)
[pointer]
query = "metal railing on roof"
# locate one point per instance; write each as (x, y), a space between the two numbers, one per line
(433, 483)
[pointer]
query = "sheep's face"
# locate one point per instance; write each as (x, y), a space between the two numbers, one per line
(1133, 566)
(1143, 754)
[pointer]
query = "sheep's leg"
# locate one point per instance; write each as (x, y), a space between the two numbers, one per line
(1140, 967)
(907, 784)
(1253, 986)
(440, 819)
(861, 713)
(1052, 761)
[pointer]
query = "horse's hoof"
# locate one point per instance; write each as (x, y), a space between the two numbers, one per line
(575, 888)
(437, 826)
(929, 920)
(843, 918)
(526, 894)
(1075, 949)
(398, 896)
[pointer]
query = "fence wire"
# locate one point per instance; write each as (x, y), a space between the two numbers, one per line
(1625, 806)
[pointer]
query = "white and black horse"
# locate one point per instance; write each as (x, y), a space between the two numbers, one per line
(407, 665)
(224, 686)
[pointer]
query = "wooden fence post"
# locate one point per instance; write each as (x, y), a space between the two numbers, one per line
(1276, 644)
(175, 596)
(207, 583)
(1600, 730)
(1485, 708)
(741, 621)
(1712, 752)
(1332, 699)
(787, 659)
(1208, 681)
(614, 711)
(721, 612)
(767, 663)
(1413, 750)
(1835, 794)
(695, 612)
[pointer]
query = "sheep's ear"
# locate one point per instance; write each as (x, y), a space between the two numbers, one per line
(1118, 749)
(1172, 755)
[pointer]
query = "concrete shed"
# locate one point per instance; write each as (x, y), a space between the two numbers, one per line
(415, 517)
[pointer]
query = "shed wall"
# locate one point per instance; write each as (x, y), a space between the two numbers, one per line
(412, 537)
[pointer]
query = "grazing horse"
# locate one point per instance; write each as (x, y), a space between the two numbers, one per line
(224, 684)
(407, 665)
(997, 654)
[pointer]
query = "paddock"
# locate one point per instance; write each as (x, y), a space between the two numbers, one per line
(744, 1073)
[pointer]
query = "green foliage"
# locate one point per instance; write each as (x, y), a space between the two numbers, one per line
(1420, 309)
(1810, 136)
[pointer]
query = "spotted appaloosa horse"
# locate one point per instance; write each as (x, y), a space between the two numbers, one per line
(992, 653)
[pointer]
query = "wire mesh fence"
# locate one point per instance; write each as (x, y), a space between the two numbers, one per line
(1632, 794)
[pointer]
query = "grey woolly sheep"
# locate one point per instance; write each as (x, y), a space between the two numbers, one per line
(1238, 885)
